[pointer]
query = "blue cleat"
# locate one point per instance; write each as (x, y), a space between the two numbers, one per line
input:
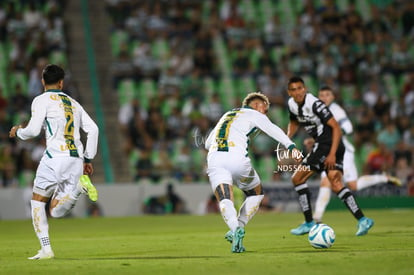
(237, 241)
(364, 224)
(302, 229)
(229, 236)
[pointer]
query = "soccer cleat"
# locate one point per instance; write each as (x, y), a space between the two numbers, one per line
(302, 229)
(88, 187)
(229, 236)
(364, 224)
(42, 255)
(237, 241)
(394, 180)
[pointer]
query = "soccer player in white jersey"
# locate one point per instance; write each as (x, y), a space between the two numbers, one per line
(62, 174)
(228, 162)
(350, 171)
(327, 154)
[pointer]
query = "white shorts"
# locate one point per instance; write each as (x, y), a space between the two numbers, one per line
(350, 170)
(57, 175)
(229, 168)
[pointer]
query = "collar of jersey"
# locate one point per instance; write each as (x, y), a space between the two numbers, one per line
(54, 91)
(246, 106)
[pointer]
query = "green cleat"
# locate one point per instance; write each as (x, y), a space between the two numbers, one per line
(229, 236)
(88, 187)
(394, 180)
(237, 244)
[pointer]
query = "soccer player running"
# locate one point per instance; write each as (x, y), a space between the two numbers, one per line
(228, 162)
(327, 154)
(327, 96)
(59, 176)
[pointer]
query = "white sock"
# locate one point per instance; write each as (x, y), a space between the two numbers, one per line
(63, 207)
(370, 180)
(249, 208)
(67, 202)
(321, 203)
(40, 224)
(229, 214)
(77, 191)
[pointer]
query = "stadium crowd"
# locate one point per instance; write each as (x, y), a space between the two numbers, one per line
(32, 34)
(178, 65)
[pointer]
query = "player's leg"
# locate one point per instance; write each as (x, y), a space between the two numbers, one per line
(224, 194)
(43, 188)
(354, 183)
(299, 178)
(323, 198)
(344, 194)
(371, 180)
(250, 205)
(69, 187)
(221, 170)
(249, 182)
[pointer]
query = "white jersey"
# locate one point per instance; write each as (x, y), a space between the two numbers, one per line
(234, 128)
(340, 116)
(61, 116)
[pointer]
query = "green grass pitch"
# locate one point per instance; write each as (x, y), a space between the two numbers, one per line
(196, 245)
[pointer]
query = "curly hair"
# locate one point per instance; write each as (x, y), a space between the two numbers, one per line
(253, 96)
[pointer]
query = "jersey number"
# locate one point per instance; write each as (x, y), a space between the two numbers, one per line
(69, 126)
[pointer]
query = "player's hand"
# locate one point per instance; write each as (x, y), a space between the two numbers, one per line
(297, 155)
(13, 130)
(88, 169)
(309, 142)
(330, 162)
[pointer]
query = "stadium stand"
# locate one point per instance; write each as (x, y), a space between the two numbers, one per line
(299, 35)
(184, 70)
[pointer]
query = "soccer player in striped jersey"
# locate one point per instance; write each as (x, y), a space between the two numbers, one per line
(351, 179)
(327, 154)
(228, 162)
(62, 174)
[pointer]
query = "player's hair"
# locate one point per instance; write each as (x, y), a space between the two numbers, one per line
(52, 74)
(326, 88)
(295, 79)
(253, 96)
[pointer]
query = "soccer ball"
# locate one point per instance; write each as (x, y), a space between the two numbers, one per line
(321, 236)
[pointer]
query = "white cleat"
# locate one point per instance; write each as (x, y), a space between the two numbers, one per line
(42, 255)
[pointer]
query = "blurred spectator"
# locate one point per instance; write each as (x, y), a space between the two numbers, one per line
(146, 64)
(170, 203)
(94, 210)
(389, 135)
(122, 67)
(32, 16)
(182, 61)
(169, 82)
(212, 205)
(35, 84)
(407, 18)
(145, 167)
(380, 159)
(7, 166)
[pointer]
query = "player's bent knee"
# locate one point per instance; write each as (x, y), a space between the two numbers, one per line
(58, 212)
(223, 192)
